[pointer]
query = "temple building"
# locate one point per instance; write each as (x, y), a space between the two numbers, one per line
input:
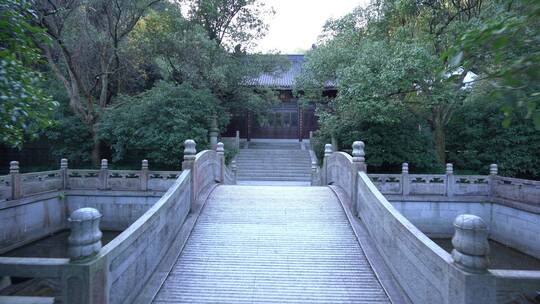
(288, 119)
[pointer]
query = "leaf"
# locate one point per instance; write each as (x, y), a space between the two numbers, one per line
(456, 60)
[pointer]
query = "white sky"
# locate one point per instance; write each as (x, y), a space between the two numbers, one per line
(297, 23)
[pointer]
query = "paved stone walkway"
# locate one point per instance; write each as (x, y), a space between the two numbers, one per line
(271, 244)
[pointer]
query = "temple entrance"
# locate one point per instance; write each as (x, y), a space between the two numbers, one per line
(281, 122)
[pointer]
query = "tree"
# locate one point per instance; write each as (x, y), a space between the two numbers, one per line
(388, 57)
(154, 124)
(86, 51)
(505, 49)
(478, 139)
(231, 23)
(24, 107)
(169, 38)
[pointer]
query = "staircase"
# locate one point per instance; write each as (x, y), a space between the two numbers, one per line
(274, 162)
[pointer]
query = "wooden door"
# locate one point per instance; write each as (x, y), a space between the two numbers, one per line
(280, 122)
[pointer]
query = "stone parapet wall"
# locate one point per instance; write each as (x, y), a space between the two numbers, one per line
(426, 272)
(121, 270)
(132, 257)
(27, 220)
(20, 185)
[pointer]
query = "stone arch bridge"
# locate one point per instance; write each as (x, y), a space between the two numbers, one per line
(196, 236)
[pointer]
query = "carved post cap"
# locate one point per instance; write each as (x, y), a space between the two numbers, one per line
(85, 238)
(449, 168)
(144, 164)
(220, 148)
(358, 151)
(493, 169)
(63, 163)
(104, 164)
(328, 149)
(14, 167)
(189, 149)
(405, 168)
(470, 241)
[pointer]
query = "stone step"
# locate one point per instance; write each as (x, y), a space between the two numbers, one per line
(273, 174)
(276, 146)
(247, 176)
(271, 178)
(269, 166)
(274, 164)
(268, 170)
(272, 151)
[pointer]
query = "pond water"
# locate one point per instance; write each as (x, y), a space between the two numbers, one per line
(501, 256)
(53, 246)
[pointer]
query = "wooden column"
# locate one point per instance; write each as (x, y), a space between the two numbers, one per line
(300, 123)
(249, 127)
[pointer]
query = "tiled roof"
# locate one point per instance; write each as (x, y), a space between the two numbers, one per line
(285, 79)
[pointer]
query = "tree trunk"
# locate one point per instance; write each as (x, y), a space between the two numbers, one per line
(96, 149)
(439, 137)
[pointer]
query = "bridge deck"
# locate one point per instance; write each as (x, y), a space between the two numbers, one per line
(268, 244)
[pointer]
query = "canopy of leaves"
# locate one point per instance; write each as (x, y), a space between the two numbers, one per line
(24, 107)
(505, 48)
(169, 38)
(477, 137)
(154, 124)
(392, 69)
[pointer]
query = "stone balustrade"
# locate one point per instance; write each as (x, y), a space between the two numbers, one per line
(426, 272)
(118, 272)
(19, 185)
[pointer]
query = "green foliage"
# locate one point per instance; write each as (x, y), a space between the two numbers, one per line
(395, 79)
(170, 39)
(24, 107)
(477, 138)
(234, 24)
(505, 47)
(155, 123)
(69, 136)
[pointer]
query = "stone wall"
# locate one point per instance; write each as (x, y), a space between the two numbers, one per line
(435, 218)
(27, 220)
(133, 256)
(516, 228)
(121, 270)
(118, 208)
(426, 272)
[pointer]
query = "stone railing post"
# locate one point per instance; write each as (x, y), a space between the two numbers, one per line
(493, 169)
(214, 132)
(493, 172)
(220, 150)
(470, 241)
(359, 164)
(328, 150)
(188, 164)
(314, 173)
(104, 174)
(85, 238)
(189, 154)
(405, 181)
(144, 175)
(234, 169)
(84, 280)
(334, 142)
(16, 184)
(64, 173)
(237, 141)
(450, 180)
(471, 256)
